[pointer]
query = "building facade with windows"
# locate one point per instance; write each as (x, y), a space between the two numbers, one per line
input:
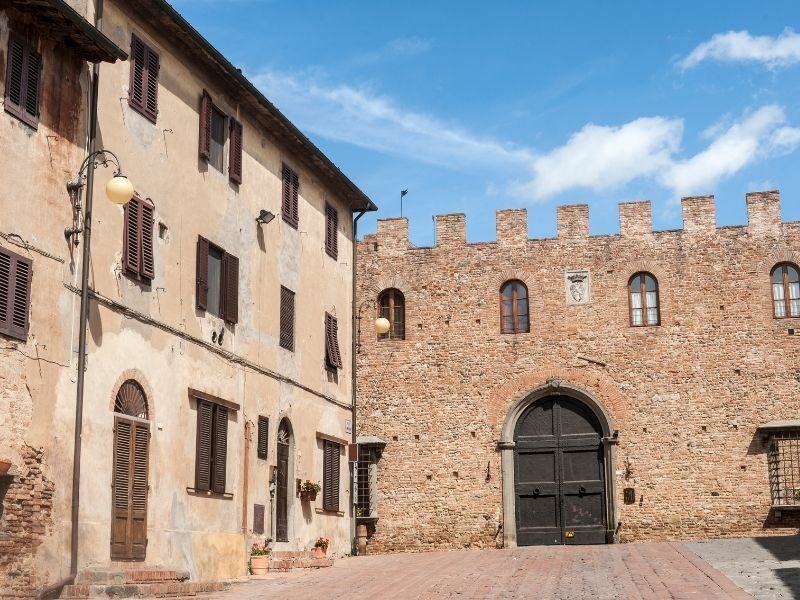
(218, 357)
(582, 389)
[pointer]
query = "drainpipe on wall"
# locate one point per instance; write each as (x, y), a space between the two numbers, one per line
(353, 466)
(55, 589)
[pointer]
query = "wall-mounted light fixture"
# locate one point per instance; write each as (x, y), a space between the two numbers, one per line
(264, 217)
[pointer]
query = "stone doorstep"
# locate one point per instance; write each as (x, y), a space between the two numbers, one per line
(281, 566)
(143, 590)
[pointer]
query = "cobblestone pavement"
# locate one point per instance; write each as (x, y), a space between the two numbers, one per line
(655, 570)
(767, 567)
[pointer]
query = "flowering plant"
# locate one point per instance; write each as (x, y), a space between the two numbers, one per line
(257, 550)
(323, 543)
(308, 486)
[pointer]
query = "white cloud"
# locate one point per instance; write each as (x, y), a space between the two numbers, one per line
(357, 116)
(397, 48)
(740, 46)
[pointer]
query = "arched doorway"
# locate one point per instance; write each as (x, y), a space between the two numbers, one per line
(282, 481)
(130, 473)
(559, 474)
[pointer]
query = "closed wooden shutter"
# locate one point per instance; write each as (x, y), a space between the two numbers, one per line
(123, 433)
(139, 489)
(235, 157)
(130, 489)
(258, 518)
(330, 475)
(220, 448)
(333, 357)
(289, 203)
(15, 290)
(23, 81)
(230, 270)
(205, 419)
(331, 230)
(287, 319)
(206, 106)
(202, 273)
(143, 87)
(263, 436)
(131, 249)
(146, 229)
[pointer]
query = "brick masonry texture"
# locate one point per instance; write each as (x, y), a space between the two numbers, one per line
(686, 396)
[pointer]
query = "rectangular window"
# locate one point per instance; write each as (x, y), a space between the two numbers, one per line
(212, 445)
(23, 81)
(143, 88)
(330, 475)
(333, 358)
(287, 319)
(783, 458)
(289, 202)
(137, 239)
(331, 230)
(217, 139)
(263, 436)
(367, 465)
(217, 281)
(15, 294)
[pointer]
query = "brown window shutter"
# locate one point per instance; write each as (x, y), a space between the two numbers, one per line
(230, 270)
(205, 126)
(330, 476)
(235, 158)
(289, 197)
(287, 319)
(147, 263)
(263, 436)
(258, 518)
(33, 83)
(131, 249)
(121, 482)
(202, 273)
(15, 291)
(332, 356)
(136, 91)
(152, 67)
(139, 489)
(204, 429)
(295, 201)
(331, 230)
(15, 76)
(220, 448)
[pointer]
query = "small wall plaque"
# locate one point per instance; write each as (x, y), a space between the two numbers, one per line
(629, 495)
(577, 287)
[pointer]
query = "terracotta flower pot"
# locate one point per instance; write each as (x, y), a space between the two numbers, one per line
(310, 496)
(5, 465)
(318, 552)
(259, 565)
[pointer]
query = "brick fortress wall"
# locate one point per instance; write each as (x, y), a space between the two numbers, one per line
(686, 396)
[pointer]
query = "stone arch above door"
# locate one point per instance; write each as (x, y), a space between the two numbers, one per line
(138, 377)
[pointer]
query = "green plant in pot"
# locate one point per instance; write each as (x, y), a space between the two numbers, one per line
(309, 490)
(259, 559)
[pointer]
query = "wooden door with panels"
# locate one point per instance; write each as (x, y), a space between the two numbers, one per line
(130, 485)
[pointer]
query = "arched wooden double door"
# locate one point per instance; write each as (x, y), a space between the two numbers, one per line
(559, 475)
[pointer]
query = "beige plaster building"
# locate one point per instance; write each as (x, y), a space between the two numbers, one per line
(218, 347)
(585, 388)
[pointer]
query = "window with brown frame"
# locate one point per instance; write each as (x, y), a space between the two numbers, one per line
(235, 152)
(217, 152)
(143, 89)
(23, 81)
(137, 239)
(330, 475)
(212, 445)
(217, 281)
(333, 358)
(785, 291)
(331, 230)
(643, 300)
(263, 436)
(392, 307)
(514, 307)
(15, 294)
(289, 202)
(287, 319)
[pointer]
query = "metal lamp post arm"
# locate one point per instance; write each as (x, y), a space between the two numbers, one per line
(77, 183)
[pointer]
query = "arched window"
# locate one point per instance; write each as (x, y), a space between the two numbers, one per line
(131, 400)
(514, 307)
(392, 306)
(644, 300)
(786, 291)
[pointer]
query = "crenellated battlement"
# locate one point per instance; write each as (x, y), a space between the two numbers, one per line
(572, 222)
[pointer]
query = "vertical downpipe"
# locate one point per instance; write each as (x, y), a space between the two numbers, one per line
(353, 338)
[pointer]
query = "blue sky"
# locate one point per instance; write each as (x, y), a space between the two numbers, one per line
(475, 107)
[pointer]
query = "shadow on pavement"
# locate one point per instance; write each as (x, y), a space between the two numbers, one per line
(781, 547)
(790, 577)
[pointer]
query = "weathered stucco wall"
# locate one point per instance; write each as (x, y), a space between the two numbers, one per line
(686, 396)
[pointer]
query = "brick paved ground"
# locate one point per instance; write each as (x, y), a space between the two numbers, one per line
(655, 570)
(767, 567)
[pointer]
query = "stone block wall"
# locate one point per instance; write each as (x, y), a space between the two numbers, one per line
(686, 397)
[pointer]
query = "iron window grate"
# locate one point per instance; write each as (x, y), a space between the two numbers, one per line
(365, 458)
(784, 468)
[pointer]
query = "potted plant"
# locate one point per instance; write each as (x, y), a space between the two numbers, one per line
(309, 490)
(321, 547)
(259, 559)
